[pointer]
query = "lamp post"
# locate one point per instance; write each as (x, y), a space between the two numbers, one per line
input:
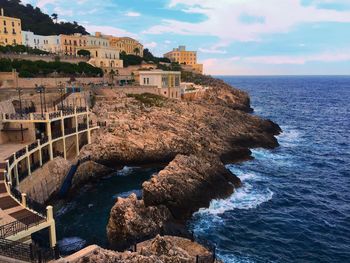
(40, 91)
(61, 89)
(20, 108)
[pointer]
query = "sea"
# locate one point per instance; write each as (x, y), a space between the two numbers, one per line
(294, 205)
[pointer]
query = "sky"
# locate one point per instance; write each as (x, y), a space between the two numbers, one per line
(232, 37)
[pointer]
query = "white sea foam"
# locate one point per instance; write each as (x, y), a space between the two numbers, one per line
(234, 259)
(64, 209)
(125, 171)
(71, 244)
(246, 197)
(290, 137)
(126, 194)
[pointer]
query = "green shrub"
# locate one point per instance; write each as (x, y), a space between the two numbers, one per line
(149, 99)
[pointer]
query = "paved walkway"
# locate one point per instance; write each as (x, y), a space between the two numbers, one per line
(9, 148)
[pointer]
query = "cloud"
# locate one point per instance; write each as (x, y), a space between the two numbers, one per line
(43, 3)
(339, 56)
(151, 45)
(63, 12)
(133, 14)
(224, 18)
(109, 30)
(212, 51)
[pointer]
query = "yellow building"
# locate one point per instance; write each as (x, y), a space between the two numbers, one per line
(70, 44)
(126, 44)
(105, 58)
(10, 30)
(182, 56)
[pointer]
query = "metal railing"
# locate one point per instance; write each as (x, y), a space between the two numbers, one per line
(33, 146)
(26, 252)
(20, 152)
(54, 115)
(82, 126)
(30, 203)
(18, 226)
(69, 131)
(44, 140)
(56, 134)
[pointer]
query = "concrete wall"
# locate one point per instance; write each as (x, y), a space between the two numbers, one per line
(47, 58)
(46, 181)
(47, 82)
(171, 93)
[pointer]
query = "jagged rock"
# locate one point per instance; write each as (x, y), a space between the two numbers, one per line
(130, 220)
(189, 183)
(88, 171)
(165, 249)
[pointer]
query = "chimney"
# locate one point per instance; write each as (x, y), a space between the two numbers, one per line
(2, 11)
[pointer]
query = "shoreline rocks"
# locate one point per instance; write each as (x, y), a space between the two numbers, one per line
(196, 138)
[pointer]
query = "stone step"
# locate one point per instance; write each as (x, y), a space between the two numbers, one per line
(7, 202)
(13, 209)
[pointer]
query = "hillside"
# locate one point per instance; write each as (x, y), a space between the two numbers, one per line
(33, 19)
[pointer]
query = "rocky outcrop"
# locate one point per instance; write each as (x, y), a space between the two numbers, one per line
(160, 249)
(197, 138)
(189, 183)
(46, 181)
(130, 221)
(89, 171)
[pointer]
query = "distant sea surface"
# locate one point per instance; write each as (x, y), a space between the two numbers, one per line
(294, 205)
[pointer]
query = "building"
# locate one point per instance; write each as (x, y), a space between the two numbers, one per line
(168, 82)
(10, 30)
(105, 57)
(70, 44)
(127, 44)
(46, 43)
(185, 57)
(97, 41)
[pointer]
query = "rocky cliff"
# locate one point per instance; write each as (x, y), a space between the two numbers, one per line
(196, 138)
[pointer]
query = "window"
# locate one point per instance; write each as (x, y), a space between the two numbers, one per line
(13, 31)
(13, 23)
(4, 22)
(14, 41)
(5, 40)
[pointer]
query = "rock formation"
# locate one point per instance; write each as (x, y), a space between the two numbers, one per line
(131, 221)
(196, 137)
(88, 171)
(160, 249)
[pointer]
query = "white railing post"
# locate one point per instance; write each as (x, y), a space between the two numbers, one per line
(24, 200)
(51, 220)
(40, 154)
(28, 160)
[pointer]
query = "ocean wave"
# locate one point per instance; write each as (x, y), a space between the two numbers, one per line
(126, 194)
(234, 259)
(246, 197)
(66, 208)
(127, 170)
(290, 137)
(244, 176)
(71, 244)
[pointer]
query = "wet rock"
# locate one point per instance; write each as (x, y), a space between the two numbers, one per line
(130, 220)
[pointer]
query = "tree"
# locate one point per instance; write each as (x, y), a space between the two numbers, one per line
(137, 51)
(55, 17)
(84, 53)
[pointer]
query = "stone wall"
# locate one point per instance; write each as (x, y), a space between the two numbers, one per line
(172, 93)
(45, 181)
(47, 58)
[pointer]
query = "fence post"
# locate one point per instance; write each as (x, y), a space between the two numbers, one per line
(24, 199)
(197, 259)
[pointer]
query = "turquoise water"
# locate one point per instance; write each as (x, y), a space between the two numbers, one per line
(83, 220)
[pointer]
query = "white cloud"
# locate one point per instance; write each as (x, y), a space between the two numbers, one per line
(151, 45)
(224, 18)
(167, 42)
(133, 14)
(63, 12)
(109, 30)
(212, 51)
(339, 56)
(43, 3)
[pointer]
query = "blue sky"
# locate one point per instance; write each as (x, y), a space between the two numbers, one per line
(233, 37)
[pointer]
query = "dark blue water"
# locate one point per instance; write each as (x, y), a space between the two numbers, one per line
(295, 202)
(83, 220)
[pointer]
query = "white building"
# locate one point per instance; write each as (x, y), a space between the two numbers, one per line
(46, 43)
(168, 82)
(105, 58)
